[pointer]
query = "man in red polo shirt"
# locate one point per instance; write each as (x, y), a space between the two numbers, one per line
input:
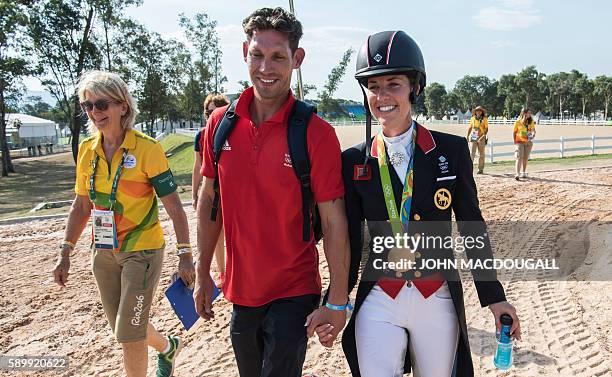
(272, 275)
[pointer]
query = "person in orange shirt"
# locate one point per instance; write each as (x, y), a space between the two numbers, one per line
(477, 135)
(523, 134)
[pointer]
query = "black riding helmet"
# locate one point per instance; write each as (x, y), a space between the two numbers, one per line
(386, 53)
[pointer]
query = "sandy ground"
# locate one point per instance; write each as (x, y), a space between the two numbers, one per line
(566, 325)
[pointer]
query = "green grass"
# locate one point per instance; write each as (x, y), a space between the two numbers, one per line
(181, 157)
(48, 179)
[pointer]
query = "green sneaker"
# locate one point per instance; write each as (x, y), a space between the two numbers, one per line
(166, 361)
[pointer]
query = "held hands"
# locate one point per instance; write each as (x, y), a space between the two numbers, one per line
(505, 307)
(326, 323)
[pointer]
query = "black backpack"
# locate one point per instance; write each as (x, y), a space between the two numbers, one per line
(298, 150)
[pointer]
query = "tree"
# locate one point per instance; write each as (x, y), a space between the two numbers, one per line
(560, 86)
(434, 100)
(452, 103)
(35, 106)
(61, 32)
(527, 82)
(471, 90)
(603, 89)
(306, 88)
(494, 103)
(110, 14)
(327, 104)
(510, 94)
(418, 107)
(156, 68)
(244, 85)
(202, 34)
(14, 65)
(153, 99)
(191, 100)
(584, 88)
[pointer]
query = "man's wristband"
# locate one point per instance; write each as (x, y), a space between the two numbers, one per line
(339, 308)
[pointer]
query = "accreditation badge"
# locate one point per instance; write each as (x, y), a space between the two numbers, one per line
(474, 135)
(104, 230)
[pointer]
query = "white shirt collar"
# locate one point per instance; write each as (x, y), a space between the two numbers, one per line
(404, 140)
(399, 148)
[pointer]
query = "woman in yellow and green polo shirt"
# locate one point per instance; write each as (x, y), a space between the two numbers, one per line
(119, 173)
(523, 134)
(477, 135)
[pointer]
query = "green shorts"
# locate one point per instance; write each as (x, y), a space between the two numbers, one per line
(127, 283)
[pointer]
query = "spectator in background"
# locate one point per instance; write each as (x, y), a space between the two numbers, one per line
(523, 134)
(477, 135)
(211, 102)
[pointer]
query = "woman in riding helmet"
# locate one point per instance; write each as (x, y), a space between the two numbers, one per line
(400, 181)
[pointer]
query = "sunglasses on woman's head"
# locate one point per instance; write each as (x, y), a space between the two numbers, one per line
(101, 104)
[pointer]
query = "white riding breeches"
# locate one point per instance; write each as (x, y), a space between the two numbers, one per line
(384, 325)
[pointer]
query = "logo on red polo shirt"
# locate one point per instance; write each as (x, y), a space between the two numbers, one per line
(287, 162)
(226, 146)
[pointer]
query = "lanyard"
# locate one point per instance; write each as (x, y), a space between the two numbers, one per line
(385, 180)
(92, 178)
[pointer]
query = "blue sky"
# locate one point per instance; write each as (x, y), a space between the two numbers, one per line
(488, 37)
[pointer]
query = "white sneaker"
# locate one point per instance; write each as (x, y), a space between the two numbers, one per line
(524, 174)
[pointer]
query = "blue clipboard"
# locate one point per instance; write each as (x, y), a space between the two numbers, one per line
(181, 300)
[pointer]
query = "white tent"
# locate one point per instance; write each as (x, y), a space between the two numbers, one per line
(459, 115)
(540, 116)
(30, 129)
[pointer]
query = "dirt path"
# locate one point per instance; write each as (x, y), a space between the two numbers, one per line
(566, 325)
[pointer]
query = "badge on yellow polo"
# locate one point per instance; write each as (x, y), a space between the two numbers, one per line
(442, 198)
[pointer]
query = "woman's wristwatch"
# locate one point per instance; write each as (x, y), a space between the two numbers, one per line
(66, 245)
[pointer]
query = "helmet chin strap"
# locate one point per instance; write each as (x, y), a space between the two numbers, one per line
(368, 128)
(413, 94)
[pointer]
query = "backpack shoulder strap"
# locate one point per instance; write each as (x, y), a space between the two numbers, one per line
(298, 150)
(222, 132)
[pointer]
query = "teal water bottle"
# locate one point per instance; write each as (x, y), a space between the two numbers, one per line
(503, 354)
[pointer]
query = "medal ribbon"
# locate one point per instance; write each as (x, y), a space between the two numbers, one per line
(385, 179)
